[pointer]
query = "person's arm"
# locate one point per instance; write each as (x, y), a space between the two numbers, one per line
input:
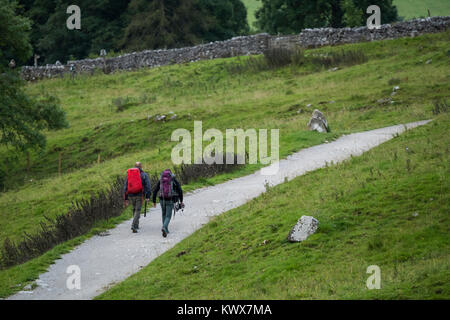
(147, 187)
(155, 192)
(179, 190)
(125, 189)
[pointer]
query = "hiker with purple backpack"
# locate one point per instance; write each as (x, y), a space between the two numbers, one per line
(170, 192)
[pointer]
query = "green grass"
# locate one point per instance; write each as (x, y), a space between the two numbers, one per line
(252, 7)
(207, 91)
(418, 8)
(373, 210)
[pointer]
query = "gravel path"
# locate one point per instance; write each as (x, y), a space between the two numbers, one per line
(106, 260)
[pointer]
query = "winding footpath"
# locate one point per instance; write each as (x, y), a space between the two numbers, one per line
(107, 260)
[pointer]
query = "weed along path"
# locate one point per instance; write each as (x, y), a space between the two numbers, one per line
(104, 260)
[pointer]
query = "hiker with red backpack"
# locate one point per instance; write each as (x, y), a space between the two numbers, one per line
(170, 192)
(136, 187)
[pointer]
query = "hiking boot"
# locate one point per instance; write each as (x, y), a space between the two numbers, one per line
(134, 230)
(164, 234)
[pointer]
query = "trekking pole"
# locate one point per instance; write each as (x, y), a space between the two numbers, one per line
(145, 208)
(174, 212)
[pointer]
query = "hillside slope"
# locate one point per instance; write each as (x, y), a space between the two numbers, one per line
(223, 94)
(409, 9)
(388, 208)
(210, 92)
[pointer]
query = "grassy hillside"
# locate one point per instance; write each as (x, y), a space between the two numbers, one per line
(209, 91)
(408, 9)
(419, 8)
(388, 208)
(252, 6)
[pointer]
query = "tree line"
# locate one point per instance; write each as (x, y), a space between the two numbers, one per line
(134, 25)
(129, 25)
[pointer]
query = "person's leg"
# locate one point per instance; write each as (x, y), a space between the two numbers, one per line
(163, 216)
(163, 210)
(133, 204)
(137, 205)
(168, 215)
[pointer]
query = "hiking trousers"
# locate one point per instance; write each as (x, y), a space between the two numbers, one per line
(166, 208)
(136, 202)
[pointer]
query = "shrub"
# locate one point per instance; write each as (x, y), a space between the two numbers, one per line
(78, 221)
(394, 81)
(254, 64)
(187, 173)
(192, 172)
(84, 214)
(279, 57)
(440, 107)
(338, 58)
(121, 103)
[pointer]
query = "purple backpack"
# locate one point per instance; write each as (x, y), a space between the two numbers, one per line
(166, 185)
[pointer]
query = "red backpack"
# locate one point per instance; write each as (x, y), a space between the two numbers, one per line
(134, 181)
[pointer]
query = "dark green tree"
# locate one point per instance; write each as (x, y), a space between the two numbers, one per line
(129, 25)
(292, 16)
(102, 24)
(177, 23)
(354, 11)
(22, 118)
(160, 24)
(229, 19)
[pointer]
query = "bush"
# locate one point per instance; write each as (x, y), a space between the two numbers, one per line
(78, 221)
(192, 172)
(83, 214)
(278, 57)
(440, 107)
(254, 64)
(121, 103)
(187, 173)
(338, 58)
(275, 58)
(394, 81)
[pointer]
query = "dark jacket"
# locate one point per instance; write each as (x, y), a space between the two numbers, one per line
(145, 183)
(177, 188)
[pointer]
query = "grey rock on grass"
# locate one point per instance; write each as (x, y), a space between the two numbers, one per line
(305, 227)
(318, 122)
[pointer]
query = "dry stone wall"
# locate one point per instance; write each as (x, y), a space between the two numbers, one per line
(239, 46)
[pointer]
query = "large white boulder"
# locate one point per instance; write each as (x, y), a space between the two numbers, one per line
(305, 227)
